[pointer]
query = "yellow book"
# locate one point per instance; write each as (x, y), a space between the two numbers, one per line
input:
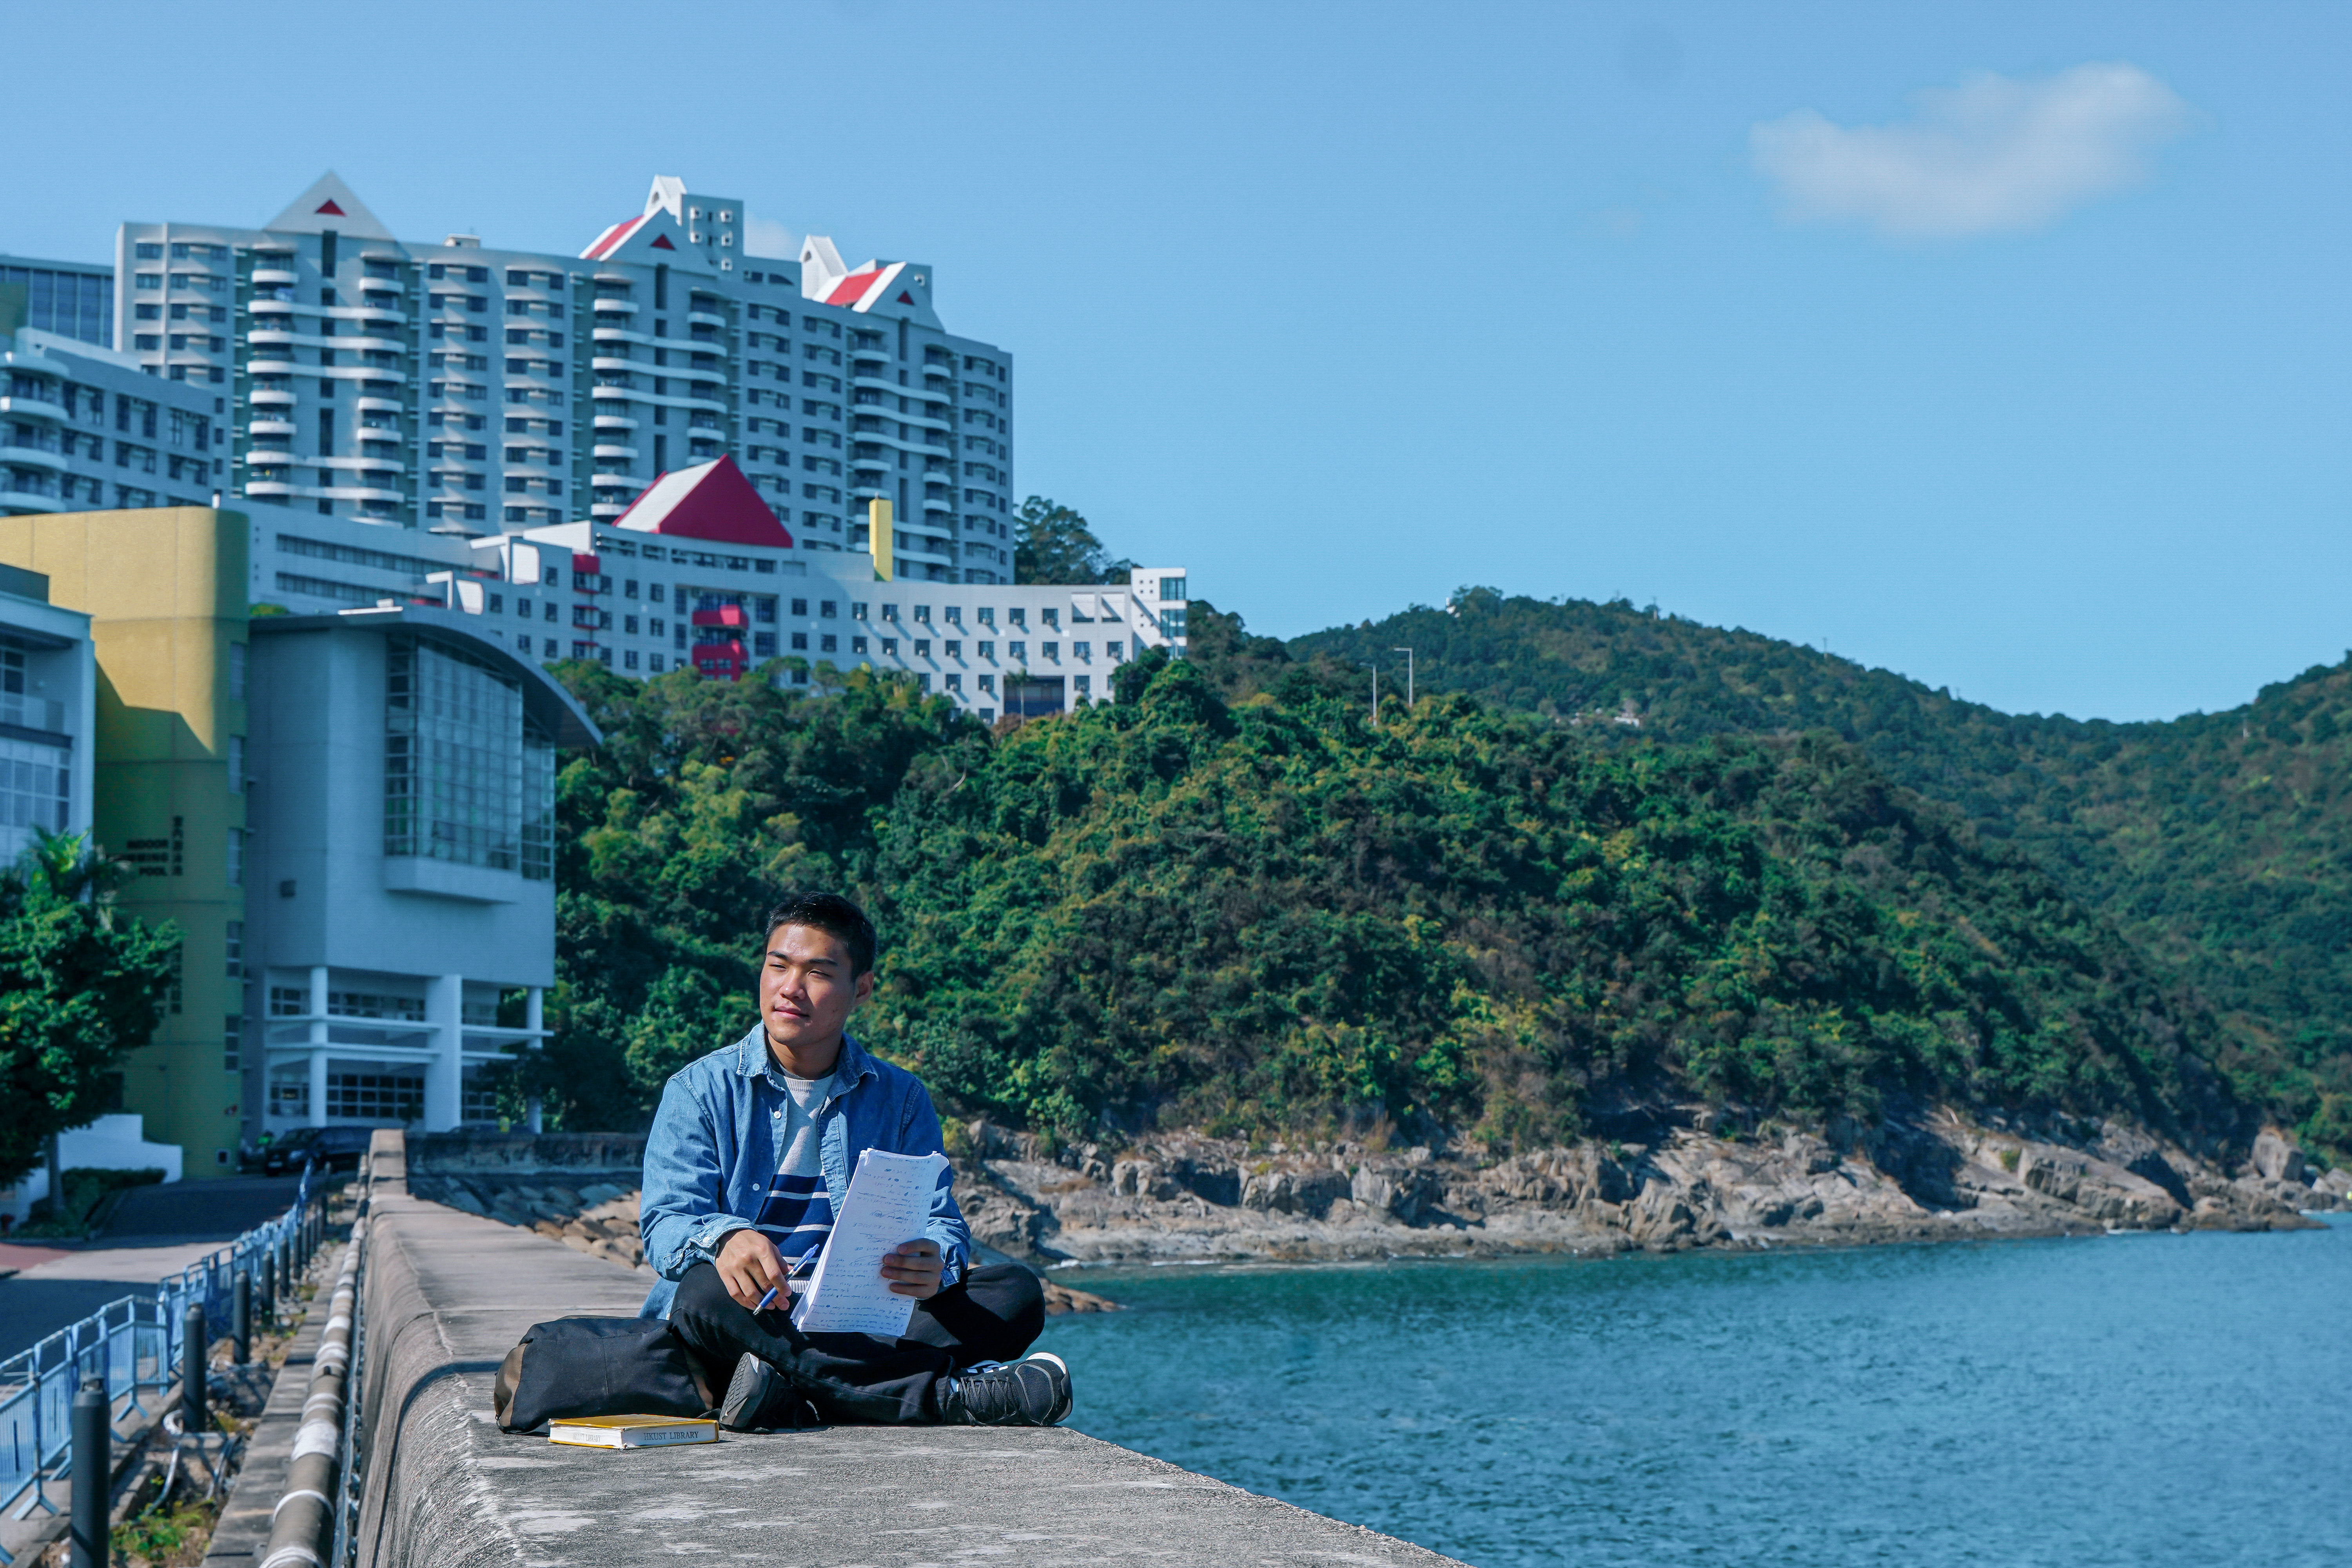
(632, 1431)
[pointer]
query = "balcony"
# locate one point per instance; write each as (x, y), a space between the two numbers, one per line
(605, 363)
(271, 395)
(614, 452)
(264, 426)
(33, 407)
(728, 617)
(629, 482)
(615, 422)
(275, 277)
(615, 307)
(704, 319)
(37, 457)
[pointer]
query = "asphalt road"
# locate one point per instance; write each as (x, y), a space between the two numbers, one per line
(154, 1231)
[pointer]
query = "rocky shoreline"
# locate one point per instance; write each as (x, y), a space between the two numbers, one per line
(1187, 1198)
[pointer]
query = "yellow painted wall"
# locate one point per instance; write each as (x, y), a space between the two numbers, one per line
(881, 539)
(165, 590)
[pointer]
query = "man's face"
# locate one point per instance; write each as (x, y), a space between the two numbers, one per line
(806, 991)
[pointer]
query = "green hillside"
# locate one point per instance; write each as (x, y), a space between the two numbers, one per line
(1263, 914)
(2220, 843)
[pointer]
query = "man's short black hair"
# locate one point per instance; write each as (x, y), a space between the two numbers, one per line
(832, 914)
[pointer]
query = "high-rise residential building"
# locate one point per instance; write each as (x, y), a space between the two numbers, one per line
(80, 427)
(71, 298)
(466, 389)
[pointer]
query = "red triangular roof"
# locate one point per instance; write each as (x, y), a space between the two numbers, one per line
(711, 501)
(328, 207)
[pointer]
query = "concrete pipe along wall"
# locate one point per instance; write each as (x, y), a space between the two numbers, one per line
(302, 1528)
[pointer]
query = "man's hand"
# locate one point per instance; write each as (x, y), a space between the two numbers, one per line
(750, 1268)
(914, 1270)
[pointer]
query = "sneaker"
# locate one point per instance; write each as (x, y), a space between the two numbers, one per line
(1032, 1392)
(757, 1397)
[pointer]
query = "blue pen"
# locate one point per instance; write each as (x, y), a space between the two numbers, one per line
(798, 1267)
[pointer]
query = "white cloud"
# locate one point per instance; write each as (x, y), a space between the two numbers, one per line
(1991, 155)
(766, 237)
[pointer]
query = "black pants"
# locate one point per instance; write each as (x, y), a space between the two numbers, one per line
(992, 1313)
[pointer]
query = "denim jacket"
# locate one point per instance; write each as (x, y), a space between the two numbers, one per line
(713, 1151)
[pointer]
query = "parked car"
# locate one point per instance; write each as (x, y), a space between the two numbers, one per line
(330, 1148)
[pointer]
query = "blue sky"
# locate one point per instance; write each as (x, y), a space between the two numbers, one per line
(2002, 345)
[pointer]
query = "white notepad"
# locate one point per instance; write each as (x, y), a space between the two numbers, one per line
(889, 1199)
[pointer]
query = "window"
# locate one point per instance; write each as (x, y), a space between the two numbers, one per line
(237, 764)
(375, 1097)
(987, 683)
(234, 935)
(857, 645)
(922, 647)
(237, 857)
(236, 653)
(825, 610)
(800, 642)
(1016, 650)
(890, 647)
(1080, 650)
(1174, 588)
(655, 662)
(1111, 650)
(952, 649)
(857, 610)
(922, 614)
(468, 778)
(955, 683)
(231, 1041)
(799, 606)
(987, 648)
(828, 642)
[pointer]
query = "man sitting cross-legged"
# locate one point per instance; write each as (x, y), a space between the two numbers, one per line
(751, 1151)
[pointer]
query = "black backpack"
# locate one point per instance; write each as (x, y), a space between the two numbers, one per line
(574, 1367)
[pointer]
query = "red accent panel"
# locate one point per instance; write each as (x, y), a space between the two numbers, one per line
(722, 506)
(613, 237)
(330, 209)
(729, 616)
(905, 298)
(586, 564)
(851, 288)
(722, 658)
(661, 242)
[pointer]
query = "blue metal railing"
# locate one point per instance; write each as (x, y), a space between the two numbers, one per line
(133, 1344)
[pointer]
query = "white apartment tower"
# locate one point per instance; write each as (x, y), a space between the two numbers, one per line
(466, 390)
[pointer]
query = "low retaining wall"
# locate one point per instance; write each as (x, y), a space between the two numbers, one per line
(447, 1295)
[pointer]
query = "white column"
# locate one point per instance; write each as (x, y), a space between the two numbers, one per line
(535, 1018)
(318, 1062)
(445, 1076)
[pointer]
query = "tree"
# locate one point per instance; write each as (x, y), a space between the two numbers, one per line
(82, 985)
(1056, 545)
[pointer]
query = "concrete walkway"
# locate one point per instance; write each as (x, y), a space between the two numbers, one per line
(447, 1295)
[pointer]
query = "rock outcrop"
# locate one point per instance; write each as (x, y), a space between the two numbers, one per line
(1188, 1196)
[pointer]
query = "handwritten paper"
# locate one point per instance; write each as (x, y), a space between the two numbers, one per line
(889, 1199)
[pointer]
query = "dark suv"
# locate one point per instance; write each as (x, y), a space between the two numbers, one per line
(331, 1148)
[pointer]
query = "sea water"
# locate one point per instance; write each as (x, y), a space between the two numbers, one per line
(2126, 1399)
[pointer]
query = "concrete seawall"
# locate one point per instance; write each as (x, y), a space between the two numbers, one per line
(447, 1295)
